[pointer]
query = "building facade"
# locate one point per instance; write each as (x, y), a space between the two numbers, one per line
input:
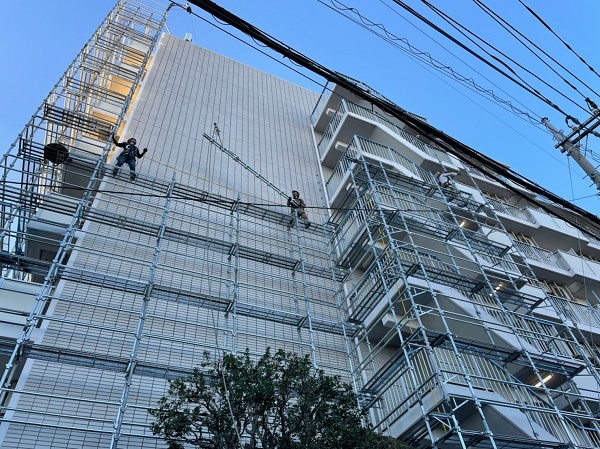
(463, 315)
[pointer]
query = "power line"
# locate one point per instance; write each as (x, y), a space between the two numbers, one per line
(481, 58)
(425, 57)
(318, 83)
(453, 54)
(558, 37)
(499, 19)
(456, 25)
(505, 176)
(478, 89)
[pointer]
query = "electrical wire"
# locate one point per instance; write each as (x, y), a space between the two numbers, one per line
(453, 54)
(559, 38)
(318, 83)
(504, 24)
(289, 53)
(425, 57)
(456, 25)
(505, 176)
(481, 58)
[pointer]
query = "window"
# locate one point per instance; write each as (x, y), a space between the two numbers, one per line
(523, 238)
(554, 289)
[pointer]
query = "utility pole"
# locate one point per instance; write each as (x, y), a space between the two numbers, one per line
(570, 144)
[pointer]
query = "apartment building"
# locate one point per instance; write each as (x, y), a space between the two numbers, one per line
(463, 315)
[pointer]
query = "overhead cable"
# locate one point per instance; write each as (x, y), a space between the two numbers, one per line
(567, 211)
(318, 83)
(456, 25)
(425, 57)
(463, 61)
(558, 37)
(505, 24)
(481, 58)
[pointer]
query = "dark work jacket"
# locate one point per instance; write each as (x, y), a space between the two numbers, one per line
(130, 150)
(296, 203)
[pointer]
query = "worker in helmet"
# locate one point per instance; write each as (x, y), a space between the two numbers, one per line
(446, 179)
(128, 155)
(297, 206)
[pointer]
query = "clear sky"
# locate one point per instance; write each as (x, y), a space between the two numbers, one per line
(40, 38)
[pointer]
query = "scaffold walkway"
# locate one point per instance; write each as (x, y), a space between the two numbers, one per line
(421, 246)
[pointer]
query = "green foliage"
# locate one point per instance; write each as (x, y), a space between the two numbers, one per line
(272, 403)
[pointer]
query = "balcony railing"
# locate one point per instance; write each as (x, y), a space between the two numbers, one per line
(359, 145)
(318, 109)
(576, 312)
(348, 107)
(348, 229)
(592, 239)
(542, 255)
(340, 171)
(481, 174)
(509, 209)
(332, 127)
(540, 334)
(484, 373)
(398, 387)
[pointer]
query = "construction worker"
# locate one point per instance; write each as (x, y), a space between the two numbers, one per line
(446, 179)
(128, 155)
(297, 206)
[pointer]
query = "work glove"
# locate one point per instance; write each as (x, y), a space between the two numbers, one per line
(145, 150)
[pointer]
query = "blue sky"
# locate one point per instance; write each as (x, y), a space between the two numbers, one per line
(40, 38)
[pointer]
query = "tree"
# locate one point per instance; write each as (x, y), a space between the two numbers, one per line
(272, 403)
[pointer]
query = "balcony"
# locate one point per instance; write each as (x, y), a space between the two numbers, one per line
(359, 146)
(544, 256)
(392, 266)
(406, 176)
(518, 411)
(579, 313)
(564, 267)
(363, 121)
(512, 212)
(475, 171)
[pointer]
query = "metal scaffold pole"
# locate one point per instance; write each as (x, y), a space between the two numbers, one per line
(237, 159)
(139, 332)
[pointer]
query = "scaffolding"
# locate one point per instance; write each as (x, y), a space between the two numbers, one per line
(444, 330)
(135, 289)
(415, 293)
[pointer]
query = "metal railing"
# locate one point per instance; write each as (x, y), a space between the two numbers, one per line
(509, 209)
(542, 255)
(346, 107)
(360, 146)
(576, 312)
(332, 127)
(474, 170)
(321, 102)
